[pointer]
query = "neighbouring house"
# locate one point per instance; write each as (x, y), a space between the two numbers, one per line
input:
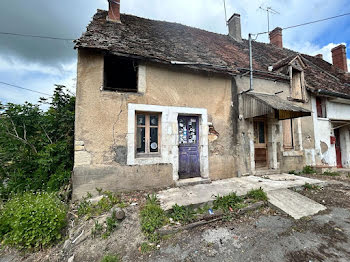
(162, 104)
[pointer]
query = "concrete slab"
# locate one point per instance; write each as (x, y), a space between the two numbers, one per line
(293, 204)
(204, 193)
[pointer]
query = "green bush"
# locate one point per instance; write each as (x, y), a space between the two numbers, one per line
(182, 214)
(257, 195)
(32, 220)
(152, 218)
(225, 202)
(329, 173)
(111, 258)
(308, 170)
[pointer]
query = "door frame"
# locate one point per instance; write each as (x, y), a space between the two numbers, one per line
(262, 145)
(197, 144)
(338, 157)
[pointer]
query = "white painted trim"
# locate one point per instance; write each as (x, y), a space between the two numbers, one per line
(169, 137)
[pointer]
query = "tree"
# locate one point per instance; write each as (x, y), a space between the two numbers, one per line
(36, 146)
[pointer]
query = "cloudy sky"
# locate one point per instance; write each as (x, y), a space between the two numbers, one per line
(38, 64)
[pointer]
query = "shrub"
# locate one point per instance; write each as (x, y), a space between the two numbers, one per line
(182, 214)
(111, 258)
(257, 195)
(308, 170)
(32, 220)
(225, 202)
(329, 173)
(152, 218)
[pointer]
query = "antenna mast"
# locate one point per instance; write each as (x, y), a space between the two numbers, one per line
(269, 10)
(225, 12)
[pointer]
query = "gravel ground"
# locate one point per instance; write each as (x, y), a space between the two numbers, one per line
(269, 236)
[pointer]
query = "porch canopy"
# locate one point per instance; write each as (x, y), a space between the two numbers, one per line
(259, 104)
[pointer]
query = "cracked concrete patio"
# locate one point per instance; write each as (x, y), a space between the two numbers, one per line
(205, 193)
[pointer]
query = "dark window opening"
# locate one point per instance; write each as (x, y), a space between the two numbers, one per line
(321, 107)
(120, 74)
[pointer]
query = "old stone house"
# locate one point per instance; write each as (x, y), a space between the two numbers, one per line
(162, 104)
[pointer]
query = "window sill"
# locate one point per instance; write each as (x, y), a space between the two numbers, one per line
(322, 118)
(148, 156)
(289, 98)
(293, 153)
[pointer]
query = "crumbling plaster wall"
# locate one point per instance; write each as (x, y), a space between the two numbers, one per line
(102, 124)
(278, 157)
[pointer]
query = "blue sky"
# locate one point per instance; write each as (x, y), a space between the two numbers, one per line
(39, 64)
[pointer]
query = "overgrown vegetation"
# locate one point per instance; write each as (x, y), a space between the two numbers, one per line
(231, 201)
(257, 195)
(308, 186)
(106, 229)
(36, 146)
(308, 170)
(183, 214)
(152, 218)
(111, 258)
(330, 173)
(32, 220)
(88, 210)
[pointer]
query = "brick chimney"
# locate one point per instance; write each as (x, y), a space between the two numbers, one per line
(319, 56)
(276, 37)
(339, 57)
(114, 11)
(234, 27)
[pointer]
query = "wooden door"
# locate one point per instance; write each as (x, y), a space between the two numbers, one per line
(189, 165)
(260, 144)
(337, 148)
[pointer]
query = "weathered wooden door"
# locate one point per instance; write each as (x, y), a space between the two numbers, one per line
(337, 148)
(260, 144)
(188, 147)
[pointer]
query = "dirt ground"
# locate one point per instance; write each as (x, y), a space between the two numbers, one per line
(263, 235)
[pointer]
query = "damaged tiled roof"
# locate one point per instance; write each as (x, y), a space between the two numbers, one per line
(166, 42)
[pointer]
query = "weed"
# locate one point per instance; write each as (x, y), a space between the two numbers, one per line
(97, 230)
(182, 214)
(111, 258)
(152, 218)
(146, 247)
(225, 202)
(99, 190)
(329, 173)
(257, 195)
(204, 209)
(308, 170)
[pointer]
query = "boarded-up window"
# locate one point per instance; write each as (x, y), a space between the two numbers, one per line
(288, 142)
(321, 107)
(297, 91)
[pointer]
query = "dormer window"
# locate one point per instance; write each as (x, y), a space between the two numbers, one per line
(120, 74)
(297, 84)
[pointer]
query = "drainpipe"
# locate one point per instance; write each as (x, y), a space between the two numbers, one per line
(250, 63)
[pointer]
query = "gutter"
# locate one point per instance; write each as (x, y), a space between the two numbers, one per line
(328, 93)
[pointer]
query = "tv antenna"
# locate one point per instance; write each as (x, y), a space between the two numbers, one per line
(225, 12)
(269, 10)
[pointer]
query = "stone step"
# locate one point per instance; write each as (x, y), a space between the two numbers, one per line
(192, 181)
(266, 172)
(293, 204)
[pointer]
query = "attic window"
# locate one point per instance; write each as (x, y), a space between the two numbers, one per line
(297, 86)
(120, 74)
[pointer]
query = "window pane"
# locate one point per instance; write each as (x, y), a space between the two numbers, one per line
(192, 131)
(261, 132)
(182, 131)
(154, 120)
(154, 139)
(140, 140)
(141, 119)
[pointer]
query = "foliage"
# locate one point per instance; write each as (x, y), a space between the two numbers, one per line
(106, 229)
(109, 200)
(152, 218)
(308, 186)
(225, 202)
(146, 247)
(257, 195)
(308, 170)
(36, 146)
(182, 214)
(32, 220)
(111, 258)
(204, 209)
(329, 173)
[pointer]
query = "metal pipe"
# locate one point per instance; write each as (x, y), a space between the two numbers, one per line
(250, 63)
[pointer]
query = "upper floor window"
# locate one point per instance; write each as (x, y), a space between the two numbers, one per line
(147, 134)
(297, 84)
(288, 139)
(321, 107)
(120, 74)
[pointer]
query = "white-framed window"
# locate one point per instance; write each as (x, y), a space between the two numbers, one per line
(148, 134)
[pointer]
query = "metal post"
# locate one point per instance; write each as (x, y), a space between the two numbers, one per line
(250, 63)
